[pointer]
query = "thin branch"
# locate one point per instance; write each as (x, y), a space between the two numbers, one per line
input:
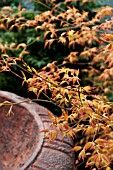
(41, 3)
(105, 31)
(33, 100)
(16, 74)
(36, 75)
(77, 64)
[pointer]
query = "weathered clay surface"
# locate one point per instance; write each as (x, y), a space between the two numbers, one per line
(17, 132)
(28, 150)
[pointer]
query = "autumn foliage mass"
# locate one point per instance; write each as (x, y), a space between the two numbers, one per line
(80, 83)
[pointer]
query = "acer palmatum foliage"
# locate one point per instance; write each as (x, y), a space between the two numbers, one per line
(78, 84)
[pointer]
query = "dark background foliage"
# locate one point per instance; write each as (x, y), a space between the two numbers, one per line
(38, 56)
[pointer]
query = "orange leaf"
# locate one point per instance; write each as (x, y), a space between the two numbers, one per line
(50, 115)
(88, 145)
(82, 154)
(77, 148)
(53, 134)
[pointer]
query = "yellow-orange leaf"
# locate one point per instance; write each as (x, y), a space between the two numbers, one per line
(88, 145)
(50, 115)
(77, 148)
(53, 134)
(82, 154)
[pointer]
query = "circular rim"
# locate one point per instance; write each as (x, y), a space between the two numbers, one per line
(31, 109)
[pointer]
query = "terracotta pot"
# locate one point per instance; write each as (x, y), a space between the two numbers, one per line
(22, 147)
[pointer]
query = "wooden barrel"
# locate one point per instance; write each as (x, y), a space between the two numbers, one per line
(22, 147)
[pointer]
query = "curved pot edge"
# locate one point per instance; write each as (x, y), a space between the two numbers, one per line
(30, 107)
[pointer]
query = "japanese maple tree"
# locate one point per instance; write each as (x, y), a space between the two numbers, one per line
(79, 83)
